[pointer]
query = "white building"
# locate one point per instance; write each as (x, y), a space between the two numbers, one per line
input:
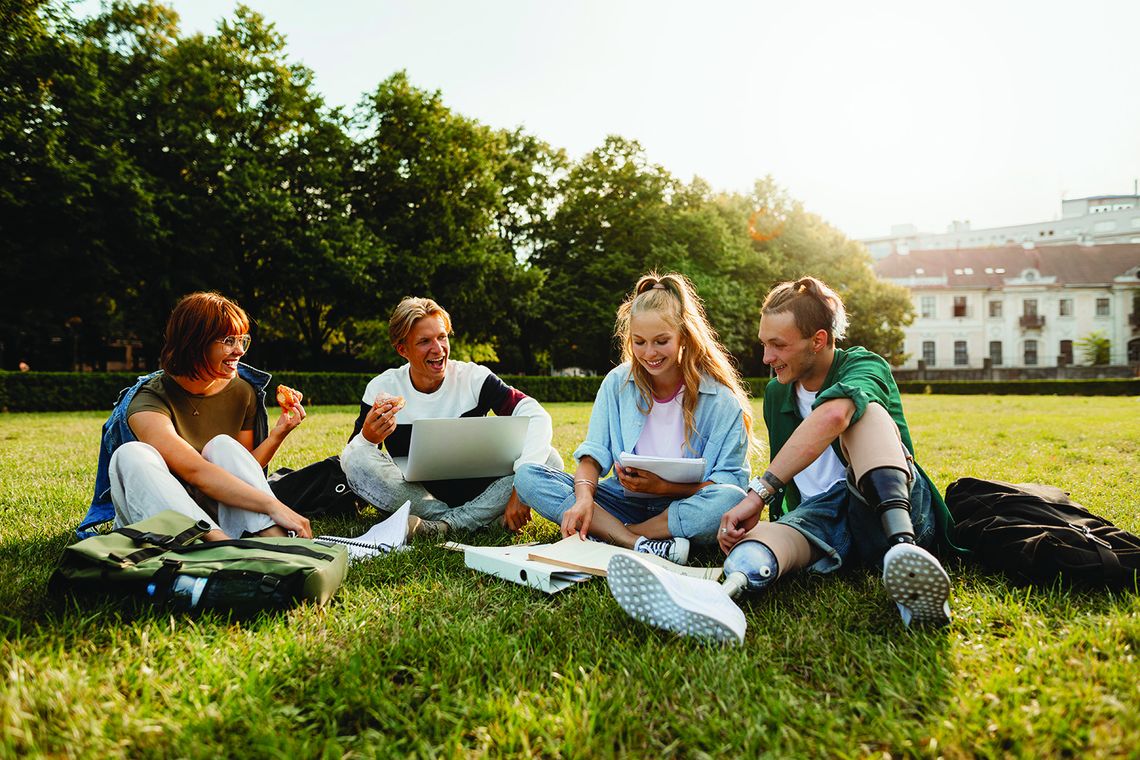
(1018, 307)
(1097, 220)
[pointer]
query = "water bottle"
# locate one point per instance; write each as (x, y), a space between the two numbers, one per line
(185, 591)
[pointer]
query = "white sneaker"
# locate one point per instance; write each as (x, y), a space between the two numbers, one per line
(919, 586)
(672, 602)
(673, 549)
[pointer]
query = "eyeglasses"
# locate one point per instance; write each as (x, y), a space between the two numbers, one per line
(233, 341)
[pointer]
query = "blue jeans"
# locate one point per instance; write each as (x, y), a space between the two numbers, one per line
(550, 492)
(841, 523)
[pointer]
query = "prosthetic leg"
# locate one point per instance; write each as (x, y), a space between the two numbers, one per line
(769, 551)
(912, 576)
(704, 608)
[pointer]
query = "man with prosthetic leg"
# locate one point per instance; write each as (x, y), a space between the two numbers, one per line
(842, 485)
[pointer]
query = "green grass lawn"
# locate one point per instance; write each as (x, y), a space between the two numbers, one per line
(417, 655)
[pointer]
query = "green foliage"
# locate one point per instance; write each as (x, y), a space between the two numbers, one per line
(149, 163)
(1096, 348)
(417, 655)
(74, 391)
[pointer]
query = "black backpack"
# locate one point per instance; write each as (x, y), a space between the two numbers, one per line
(318, 489)
(1037, 534)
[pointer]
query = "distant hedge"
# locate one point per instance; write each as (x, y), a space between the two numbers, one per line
(76, 391)
(1108, 387)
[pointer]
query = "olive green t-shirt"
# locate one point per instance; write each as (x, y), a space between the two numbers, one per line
(198, 419)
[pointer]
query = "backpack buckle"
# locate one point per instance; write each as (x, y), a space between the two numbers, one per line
(158, 539)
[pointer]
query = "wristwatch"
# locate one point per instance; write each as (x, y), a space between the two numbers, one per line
(761, 487)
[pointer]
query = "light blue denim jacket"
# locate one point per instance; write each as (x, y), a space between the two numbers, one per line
(616, 423)
(116, 432)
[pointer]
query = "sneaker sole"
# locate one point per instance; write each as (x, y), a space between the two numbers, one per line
(641, 593)
(915, 580)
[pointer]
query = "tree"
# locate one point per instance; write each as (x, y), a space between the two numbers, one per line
(1096, 348)
(454, 201)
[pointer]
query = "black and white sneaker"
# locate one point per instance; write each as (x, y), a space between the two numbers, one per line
(919, 586)
(673, 602)
(672, 549)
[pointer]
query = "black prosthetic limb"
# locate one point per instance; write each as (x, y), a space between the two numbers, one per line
(887, 491)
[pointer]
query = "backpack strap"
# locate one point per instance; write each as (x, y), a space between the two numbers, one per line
(155, 544)
(245, 543)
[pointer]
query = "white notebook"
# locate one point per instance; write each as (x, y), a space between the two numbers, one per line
(383, 537)
(675, 470)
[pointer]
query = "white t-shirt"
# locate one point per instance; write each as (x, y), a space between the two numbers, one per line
(664, 432)
(826, 470)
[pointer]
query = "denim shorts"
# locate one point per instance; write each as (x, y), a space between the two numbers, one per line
(840, 522)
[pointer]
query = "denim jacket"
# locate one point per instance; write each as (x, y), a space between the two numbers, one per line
(116, 432)
(616, 423)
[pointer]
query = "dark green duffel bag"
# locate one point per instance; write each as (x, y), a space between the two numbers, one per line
(162, 559)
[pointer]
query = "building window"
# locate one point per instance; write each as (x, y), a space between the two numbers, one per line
(959, 306)
(1066, 355)
(1065, 307)
(1102, 307)
(995, 353)
(1029, 307)
(928, 352)
(995, 308)
(1030, 353)
(926, 304)
(961, 359)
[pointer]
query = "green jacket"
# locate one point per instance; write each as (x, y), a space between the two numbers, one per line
(859, 375)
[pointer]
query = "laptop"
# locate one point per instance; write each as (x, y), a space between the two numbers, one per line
(467, 447)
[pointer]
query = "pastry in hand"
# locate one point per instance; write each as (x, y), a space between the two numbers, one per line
(287, 398)
(397, 402)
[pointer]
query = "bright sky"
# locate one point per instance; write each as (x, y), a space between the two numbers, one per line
(870, 113)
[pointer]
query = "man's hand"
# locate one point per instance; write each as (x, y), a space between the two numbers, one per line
(577, 518)
(517, 514)
(381, 419)
(738, 521)
(641, 481)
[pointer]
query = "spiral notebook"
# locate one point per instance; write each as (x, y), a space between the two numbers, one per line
(386, 536)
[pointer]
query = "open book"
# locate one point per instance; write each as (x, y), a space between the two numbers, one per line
(574, 553)
(383, 537)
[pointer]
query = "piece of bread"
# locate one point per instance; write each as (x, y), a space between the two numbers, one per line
(287, 398)
(397, 402)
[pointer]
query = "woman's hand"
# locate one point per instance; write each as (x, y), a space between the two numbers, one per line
(642, 481)
(738, 521)
(380, 421)
(577, 518)
(290, 520)
(289, 420)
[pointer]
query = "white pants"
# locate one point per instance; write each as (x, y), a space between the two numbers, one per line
(142, 485)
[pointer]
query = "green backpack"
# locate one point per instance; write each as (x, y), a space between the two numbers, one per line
(162, 559)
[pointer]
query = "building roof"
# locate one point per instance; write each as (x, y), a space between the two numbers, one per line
(995, 267)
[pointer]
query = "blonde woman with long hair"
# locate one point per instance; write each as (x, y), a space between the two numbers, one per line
(675, 395)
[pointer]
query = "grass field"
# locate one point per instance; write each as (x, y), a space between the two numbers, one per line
(418, 656)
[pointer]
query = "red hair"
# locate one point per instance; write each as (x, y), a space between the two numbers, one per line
(197, 321)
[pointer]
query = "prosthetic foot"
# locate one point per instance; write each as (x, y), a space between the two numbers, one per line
(673, 602)
(915, 581)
